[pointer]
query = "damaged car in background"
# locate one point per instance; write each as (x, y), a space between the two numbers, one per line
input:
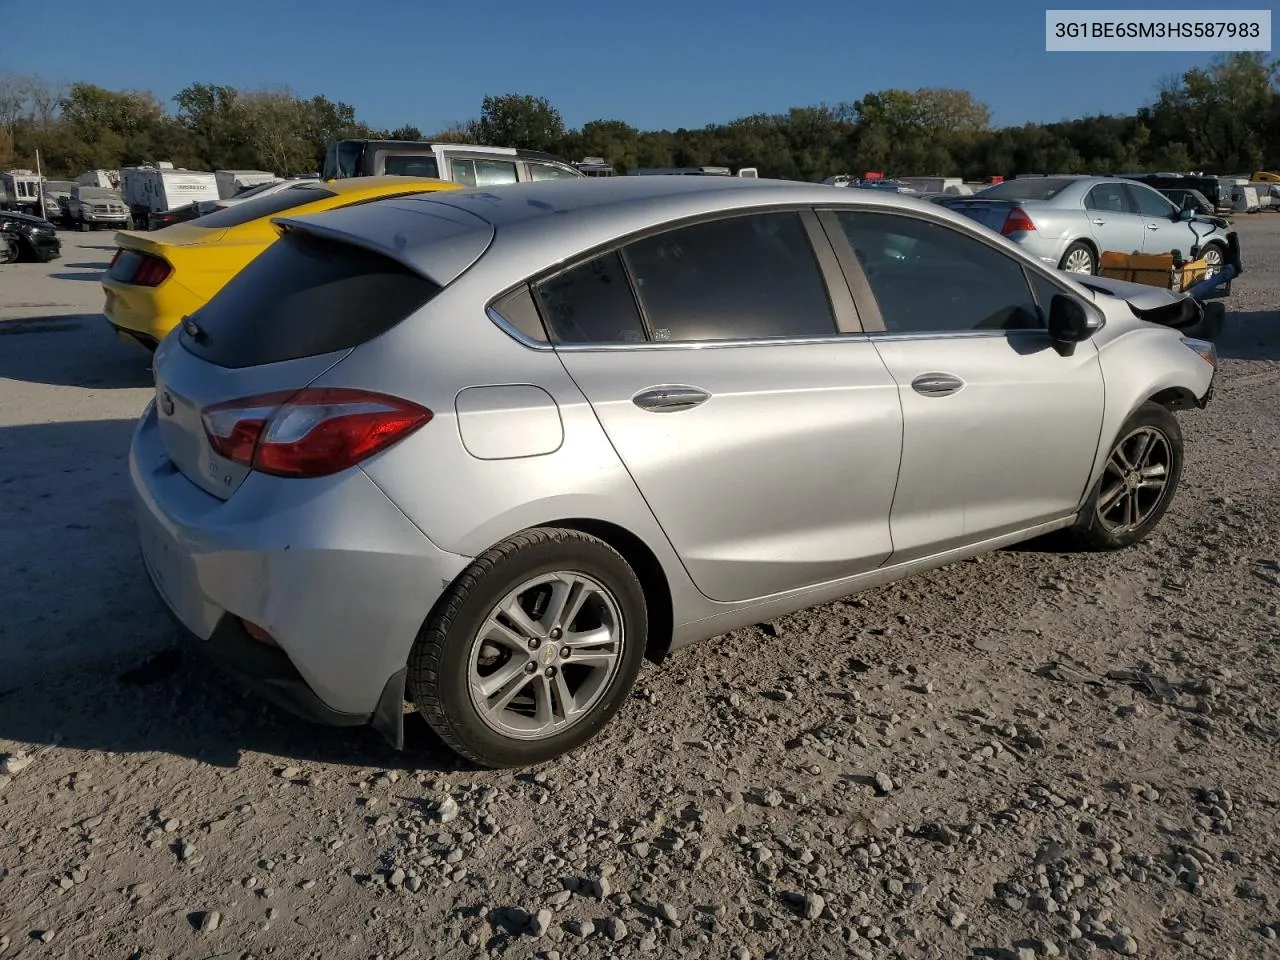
(1068, 222)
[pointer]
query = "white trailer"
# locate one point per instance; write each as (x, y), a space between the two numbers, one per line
(233, 182)
(20, 190)
(157, 189)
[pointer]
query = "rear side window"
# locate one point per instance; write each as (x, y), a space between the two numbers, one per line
(743, 278)
(304, 296)
(591, 303)
(267, 206)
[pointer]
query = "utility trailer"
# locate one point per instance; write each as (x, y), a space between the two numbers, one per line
(20, 191)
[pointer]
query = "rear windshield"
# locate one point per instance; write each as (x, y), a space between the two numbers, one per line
(304, 296)
(1031, 188)
(267, 206)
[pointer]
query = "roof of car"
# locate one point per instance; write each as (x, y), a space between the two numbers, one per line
(540, 224)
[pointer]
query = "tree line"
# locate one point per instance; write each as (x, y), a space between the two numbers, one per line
(1224, 118)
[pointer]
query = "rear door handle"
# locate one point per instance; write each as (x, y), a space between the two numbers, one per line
(1153, 226)
(670, 398)
(936, 384)
(1098, 222)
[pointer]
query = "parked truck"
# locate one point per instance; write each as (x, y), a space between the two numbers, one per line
(156, 188)
(92, 208)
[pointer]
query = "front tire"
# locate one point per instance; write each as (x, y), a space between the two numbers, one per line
(1137, 485)
(532, 650)
(1079, 258)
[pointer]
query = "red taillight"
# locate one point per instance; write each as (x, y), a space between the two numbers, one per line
(151, 272)
(312, 432)
(1017, 222)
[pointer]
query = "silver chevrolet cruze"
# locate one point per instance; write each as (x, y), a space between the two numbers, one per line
(487, 450)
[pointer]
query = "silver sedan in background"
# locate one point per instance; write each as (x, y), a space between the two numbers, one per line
(1069, 221)
(489, 450)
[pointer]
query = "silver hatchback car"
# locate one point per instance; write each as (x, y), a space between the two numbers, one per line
(488, 450)
(1069, 221)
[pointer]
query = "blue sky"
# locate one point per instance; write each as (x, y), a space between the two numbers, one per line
(659, 63)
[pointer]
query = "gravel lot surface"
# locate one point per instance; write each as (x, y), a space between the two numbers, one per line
(1026, 755)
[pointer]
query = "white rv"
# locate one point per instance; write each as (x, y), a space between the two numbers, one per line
(231, 183)
(20, 190)
(107, 179)
(159, 188)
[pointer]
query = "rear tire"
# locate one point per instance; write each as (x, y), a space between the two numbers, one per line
(1079, 258)
(500, 689)
(1144, 466)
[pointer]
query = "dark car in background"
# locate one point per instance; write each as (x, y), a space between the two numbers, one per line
(32, 238)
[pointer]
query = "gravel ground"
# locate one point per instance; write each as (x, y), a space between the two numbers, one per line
(1025, 755)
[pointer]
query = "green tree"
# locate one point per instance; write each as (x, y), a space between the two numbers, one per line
(519, 120)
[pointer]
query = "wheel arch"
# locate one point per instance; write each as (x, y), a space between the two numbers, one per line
(1086, 241)
(648, 569)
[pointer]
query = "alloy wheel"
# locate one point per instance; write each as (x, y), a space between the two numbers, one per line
(545, 655)
(1212, 257)
(1079, 261)
(1135, 480)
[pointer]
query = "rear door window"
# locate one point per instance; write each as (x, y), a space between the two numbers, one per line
(1109, 198)
(302, 297)
(741, 278)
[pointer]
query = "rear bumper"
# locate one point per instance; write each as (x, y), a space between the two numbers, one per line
(270, 674)
(335, 573)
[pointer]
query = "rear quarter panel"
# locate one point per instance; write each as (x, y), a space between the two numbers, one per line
(465, 504)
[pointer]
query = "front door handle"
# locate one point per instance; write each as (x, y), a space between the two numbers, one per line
(936, 384)
(670, 398)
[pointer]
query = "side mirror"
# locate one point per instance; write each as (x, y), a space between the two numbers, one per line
(1187, 214)
(1069, 323)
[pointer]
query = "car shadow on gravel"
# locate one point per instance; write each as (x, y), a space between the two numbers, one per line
(73, 350)
(1250, 335)
(94, 275)
(171, 702)
(89, 657)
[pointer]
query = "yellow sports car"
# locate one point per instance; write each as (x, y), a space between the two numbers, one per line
(156, 279)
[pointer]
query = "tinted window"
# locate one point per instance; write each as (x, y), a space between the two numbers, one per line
(517, 308)
(743, 278)
(1026, 188)
(304, 296)
(1109, 198)
(1150, 203)
(410, 166)
(342, 159)
(591, 303)
(929, 278)
(267, 206)
(547, 171)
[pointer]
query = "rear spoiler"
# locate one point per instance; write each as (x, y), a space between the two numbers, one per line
(435, 240)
